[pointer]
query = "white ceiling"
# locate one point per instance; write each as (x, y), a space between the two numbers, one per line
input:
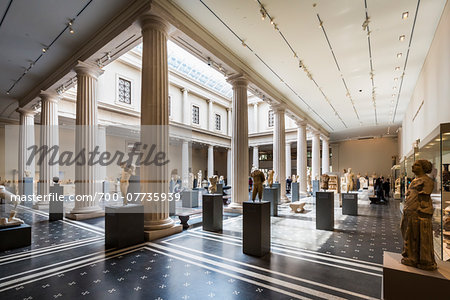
(342, 22)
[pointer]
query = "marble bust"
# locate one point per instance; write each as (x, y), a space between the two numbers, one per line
(212, 184)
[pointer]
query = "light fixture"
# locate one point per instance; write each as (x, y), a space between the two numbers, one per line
(70, 26)
(244, 44)
(275, 26)
(7, 92)
(396, 79)
(44, 50)
(397, 68)
(393, 95)
(71, 30)
(108, 55)
(271, 21)
(399, 55)
(401, 38)
(405, 15)
(263, 13)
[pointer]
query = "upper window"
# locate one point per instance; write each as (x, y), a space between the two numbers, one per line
(124, 91)
(270, 120)
(195, 114)
(218, 122)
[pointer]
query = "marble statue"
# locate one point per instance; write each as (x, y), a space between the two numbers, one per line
(221, 180)
(349, 179)
(11, 220)
(416, 224)
(190, 180)
(308, 181)
(362, 182)
(258, 179)
(294, 178)
(270, 178)
(27, 173)
(213, 184)
(324, 181)
(199, 179)
(127, 171)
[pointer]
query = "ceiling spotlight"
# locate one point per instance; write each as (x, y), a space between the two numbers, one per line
(209, 61)
(321, 24)
(244, 44)
(7, 92)
(271, 21)
(405, 15)
(401, 38)
(393, 95)
(71, 30)
(300, 64)
(263, 13)
(44, 50)
(396, 79)
(220, 68)
(399, 55)
(108, 55)
(397, 68)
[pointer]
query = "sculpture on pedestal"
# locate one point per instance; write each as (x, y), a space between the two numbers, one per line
(199, 179)
(213, 184)
(349, 179)
(294, 178)
(190, 180)
(324, 181)
(270, 178)
(11, 220)
(416, 225)
(27, 173)
(258, 179)
(221, 180)
(127, 171)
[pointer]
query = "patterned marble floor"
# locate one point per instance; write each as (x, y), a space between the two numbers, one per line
(67, 260)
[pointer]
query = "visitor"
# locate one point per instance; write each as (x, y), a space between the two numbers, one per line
(386, 188)
(288, 184)
(250, 183)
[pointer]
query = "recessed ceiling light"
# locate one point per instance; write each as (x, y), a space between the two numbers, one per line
(396, 78)
(399, 55)
(44, 50)
(401, 38)
(405, 15)
(397, 68)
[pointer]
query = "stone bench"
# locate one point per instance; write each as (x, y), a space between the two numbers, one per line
(185, 216)
(297, 207)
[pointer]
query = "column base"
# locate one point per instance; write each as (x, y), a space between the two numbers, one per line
(40, 205)
(85, 216)
(284, 199)
(152, 235)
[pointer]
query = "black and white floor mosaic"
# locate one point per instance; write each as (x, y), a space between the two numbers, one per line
(67, 260)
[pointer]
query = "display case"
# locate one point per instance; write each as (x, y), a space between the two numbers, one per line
(436, 149)
(333, 183)
(396, 182)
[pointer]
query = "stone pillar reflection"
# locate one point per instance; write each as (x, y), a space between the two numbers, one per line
(26, 140)
(279, 152)
(229, 173)
(239, 142)
(288, 160)
(302, 156)
(155, 126)
(210, 161)
(255, 157)
(185, 164)
(325, 155)
(315, 170)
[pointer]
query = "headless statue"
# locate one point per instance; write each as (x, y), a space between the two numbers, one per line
(270, 178)
(213, 184)
(258, 179)
(324, 181)
(127, 171)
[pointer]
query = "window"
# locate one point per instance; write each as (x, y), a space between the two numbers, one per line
(218, 122)
(124, 91)
(195, 114)
(170, 106)
(270, 121)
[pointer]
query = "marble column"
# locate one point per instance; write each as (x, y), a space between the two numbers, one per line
(255, 157)
(210, 161)
(86, 139)
(315, 170)
(302, 156)
(155, 126)
(325, 155)
(288, 160)
(229, 173)
(239, 142)
(255, 117)
(185, 164)
(102, 175)
(26, 140)
(229, 122)
(279, 153)
(211, 117)
(49, 137)
(186, 115)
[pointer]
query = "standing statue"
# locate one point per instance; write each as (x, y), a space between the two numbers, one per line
(199, 179)
(258, 179)
(294, 178)
(324, 181)
(213, 184)
(27, 173)
(190, 181)
(127, 171)
(221, 180)
(349, 179)
(416, 225)
(270, 178)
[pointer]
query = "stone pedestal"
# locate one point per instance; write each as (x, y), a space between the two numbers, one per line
(405, 282)
(124, 226)
(349, 204)
(189, 199)
(278, 186)
(56, 205)
(272, 195)
(315, 187)
(105, 187)
(212, 212)
(173, 206)
(15, 237)
(134, 188)
(256, 228)
(28, 186)
(295, 191)
(325, 210)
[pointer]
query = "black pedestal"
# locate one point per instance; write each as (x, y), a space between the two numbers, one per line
(256, 228)
(56, 204)
(325, 210)
(277, 186)
(212, 212)
(295, 187)
(350, 204)
(189, 199)
(124, 226)
(15, 237)
(271, 195)
(219, 189)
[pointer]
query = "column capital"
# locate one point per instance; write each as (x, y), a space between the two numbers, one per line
(87, 69)
(49, 96)
(228, 109)
(301, 123)
(150, 21)
(255, 104)
(278, 108)
(26, 111)
(238, 80)
(184, 90)
(324, 137)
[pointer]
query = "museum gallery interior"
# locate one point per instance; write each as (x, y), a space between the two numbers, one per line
(240, 149)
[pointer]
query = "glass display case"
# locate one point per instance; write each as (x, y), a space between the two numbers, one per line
(436, 149)
(396, 182)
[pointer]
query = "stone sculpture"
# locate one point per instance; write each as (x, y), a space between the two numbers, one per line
(127, 171)
(258, 179)
(213, 184)
(324, 181)
(416, 225)
(270, 178)
(11, 220)
(199, 179)
(349, 179)
(190, 180)
(221, 179)
(27, 173)
(294, 178)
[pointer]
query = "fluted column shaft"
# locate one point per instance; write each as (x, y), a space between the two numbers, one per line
(185, 164)
(302, 156)
(239, 142)
(86, 138)
(256, 157)
(50, 138)
(279, 153)
(229, 173)
(155, 120)
(315, 171)
(325, 156)
(26, 140)
(210, 161)
(288, 160)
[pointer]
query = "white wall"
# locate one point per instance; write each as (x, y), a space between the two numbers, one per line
(433, 88)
